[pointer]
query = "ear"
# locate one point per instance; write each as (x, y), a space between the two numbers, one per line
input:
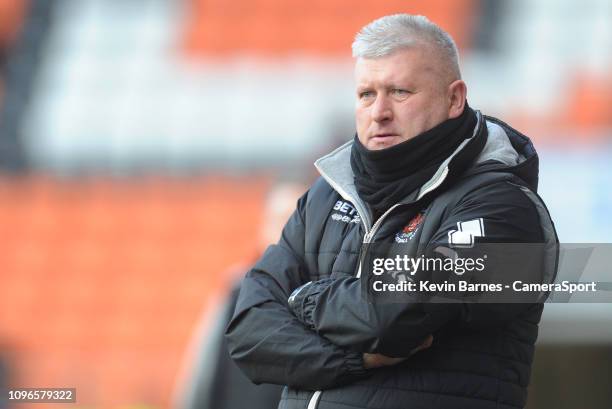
(457, 93)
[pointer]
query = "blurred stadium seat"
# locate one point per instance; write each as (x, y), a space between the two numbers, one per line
(103, 281)
(272, 28)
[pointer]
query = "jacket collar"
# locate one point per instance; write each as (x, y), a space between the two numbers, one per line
(335, 167)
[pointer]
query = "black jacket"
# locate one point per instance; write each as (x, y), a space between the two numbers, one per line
(482, 354)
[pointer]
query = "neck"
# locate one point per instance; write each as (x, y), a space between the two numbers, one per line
(384, 177)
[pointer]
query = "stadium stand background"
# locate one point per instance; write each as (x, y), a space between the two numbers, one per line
(138, 139)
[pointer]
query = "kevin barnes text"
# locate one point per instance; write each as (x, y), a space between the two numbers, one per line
(464, 286)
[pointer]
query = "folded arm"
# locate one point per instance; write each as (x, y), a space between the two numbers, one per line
(336, 309)
(267, 341)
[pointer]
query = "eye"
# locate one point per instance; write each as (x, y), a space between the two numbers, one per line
(366, 94)
(399, 92)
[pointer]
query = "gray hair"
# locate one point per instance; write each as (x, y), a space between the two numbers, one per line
(388, 34)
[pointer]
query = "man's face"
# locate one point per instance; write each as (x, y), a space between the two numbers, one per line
(399, 96)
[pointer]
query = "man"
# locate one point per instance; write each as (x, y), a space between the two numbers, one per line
(422, 166)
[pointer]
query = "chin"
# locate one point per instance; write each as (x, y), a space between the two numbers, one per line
(379, 146)
(374, 145)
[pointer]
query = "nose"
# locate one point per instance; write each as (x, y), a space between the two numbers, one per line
(381, 109)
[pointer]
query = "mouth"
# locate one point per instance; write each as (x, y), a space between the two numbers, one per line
(383, 137)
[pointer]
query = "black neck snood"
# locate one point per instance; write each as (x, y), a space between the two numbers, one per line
(384, 177)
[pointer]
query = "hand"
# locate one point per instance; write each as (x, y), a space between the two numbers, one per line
(371, 361)
(379, 360)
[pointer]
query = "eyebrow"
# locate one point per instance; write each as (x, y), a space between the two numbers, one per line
(393, 85)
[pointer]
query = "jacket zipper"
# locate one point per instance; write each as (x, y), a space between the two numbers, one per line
(314, 400)
(367, 239)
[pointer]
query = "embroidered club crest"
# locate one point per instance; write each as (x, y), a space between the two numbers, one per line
(410, 230)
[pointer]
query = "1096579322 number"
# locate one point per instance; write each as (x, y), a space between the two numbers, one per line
(42, 395)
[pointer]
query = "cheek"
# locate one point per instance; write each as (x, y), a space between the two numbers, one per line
(361, 116)
(420, 113)
(409, 113)
(362, 124)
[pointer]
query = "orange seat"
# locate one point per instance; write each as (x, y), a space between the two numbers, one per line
(280, 27)
(104, 281)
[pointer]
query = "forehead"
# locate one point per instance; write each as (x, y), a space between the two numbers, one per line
(410, 64)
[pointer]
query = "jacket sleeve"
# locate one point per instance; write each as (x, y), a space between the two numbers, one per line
(336, 308)
(267, 341)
